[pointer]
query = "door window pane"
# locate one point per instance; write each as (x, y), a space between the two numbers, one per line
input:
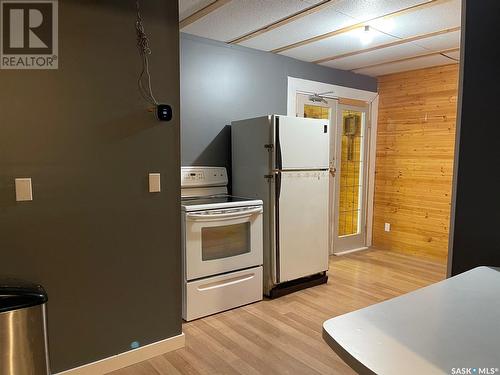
(316, 111)
(351, 181)
(225, 241)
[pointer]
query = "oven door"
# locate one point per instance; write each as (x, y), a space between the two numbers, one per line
(219, 241)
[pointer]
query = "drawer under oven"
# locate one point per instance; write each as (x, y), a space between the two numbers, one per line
(211, 295)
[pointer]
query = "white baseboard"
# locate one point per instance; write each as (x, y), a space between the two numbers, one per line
(351, 251)
(129, 358)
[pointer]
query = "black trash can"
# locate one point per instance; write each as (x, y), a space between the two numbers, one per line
(23, 329)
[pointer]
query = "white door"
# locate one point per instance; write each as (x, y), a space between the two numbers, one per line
(348, 164)
(325, 109)
(301, 143)
(301, 220)
(351, 179)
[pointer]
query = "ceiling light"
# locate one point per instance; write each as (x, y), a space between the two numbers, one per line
(384, 24)
(366, 36)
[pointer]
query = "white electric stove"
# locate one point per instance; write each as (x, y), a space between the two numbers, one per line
(222, 244)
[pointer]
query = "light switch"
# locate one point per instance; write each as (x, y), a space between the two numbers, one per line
(154, 183)
(387, 227)
(24, 191)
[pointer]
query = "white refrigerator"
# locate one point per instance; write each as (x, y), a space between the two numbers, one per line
(284, 161)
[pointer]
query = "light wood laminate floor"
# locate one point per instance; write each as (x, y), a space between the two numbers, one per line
(283, 336)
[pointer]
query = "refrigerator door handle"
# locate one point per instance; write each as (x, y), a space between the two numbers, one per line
(279, 156)
(278, 187)
(277, 191)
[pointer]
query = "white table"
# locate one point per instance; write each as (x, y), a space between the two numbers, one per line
(448, 325)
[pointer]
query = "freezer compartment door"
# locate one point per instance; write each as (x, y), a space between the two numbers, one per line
(301, 143)
(301, 224)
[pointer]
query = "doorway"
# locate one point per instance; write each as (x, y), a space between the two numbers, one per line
(349, 201)
(348, 168)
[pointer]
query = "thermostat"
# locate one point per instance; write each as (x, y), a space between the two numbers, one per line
(164, 112)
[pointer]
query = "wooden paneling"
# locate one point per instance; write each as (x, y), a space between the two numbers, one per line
(283, 336)
(414, 165)
(353, 102)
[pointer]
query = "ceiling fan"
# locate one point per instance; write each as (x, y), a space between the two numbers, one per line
(319, 97)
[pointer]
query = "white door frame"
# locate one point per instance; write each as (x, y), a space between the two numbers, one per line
(304, 86)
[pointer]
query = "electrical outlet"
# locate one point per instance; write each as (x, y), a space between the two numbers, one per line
(387, 227)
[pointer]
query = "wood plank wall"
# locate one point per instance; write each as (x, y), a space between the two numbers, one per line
(414, 163)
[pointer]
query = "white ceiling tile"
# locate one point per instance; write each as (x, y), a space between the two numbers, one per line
(441, 42)
(419, 63)
(304, 28)
(338, 44)
(375, 57)
(368, 9)
(240, 17)
(188, 7)
(434, 17)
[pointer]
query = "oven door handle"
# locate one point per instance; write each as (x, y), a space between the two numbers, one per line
(228, 282)
(230, 215)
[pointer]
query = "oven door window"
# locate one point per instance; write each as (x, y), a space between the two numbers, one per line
(225, 241)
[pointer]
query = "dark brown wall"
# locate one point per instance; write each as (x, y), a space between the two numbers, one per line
(106, 250)
(475, 237)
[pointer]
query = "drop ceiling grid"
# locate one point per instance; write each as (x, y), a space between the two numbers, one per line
(435, 17)
(388, 54)
(418, 63)
(240, 17)
(336, 45)
(306, 27)
(441, 42)
(367, 9)
(375, 57)
(188, 7)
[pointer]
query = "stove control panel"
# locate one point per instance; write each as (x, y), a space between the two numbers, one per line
(203, 176)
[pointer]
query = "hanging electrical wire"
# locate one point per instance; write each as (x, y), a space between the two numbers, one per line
(449, 57)
(144, 81)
